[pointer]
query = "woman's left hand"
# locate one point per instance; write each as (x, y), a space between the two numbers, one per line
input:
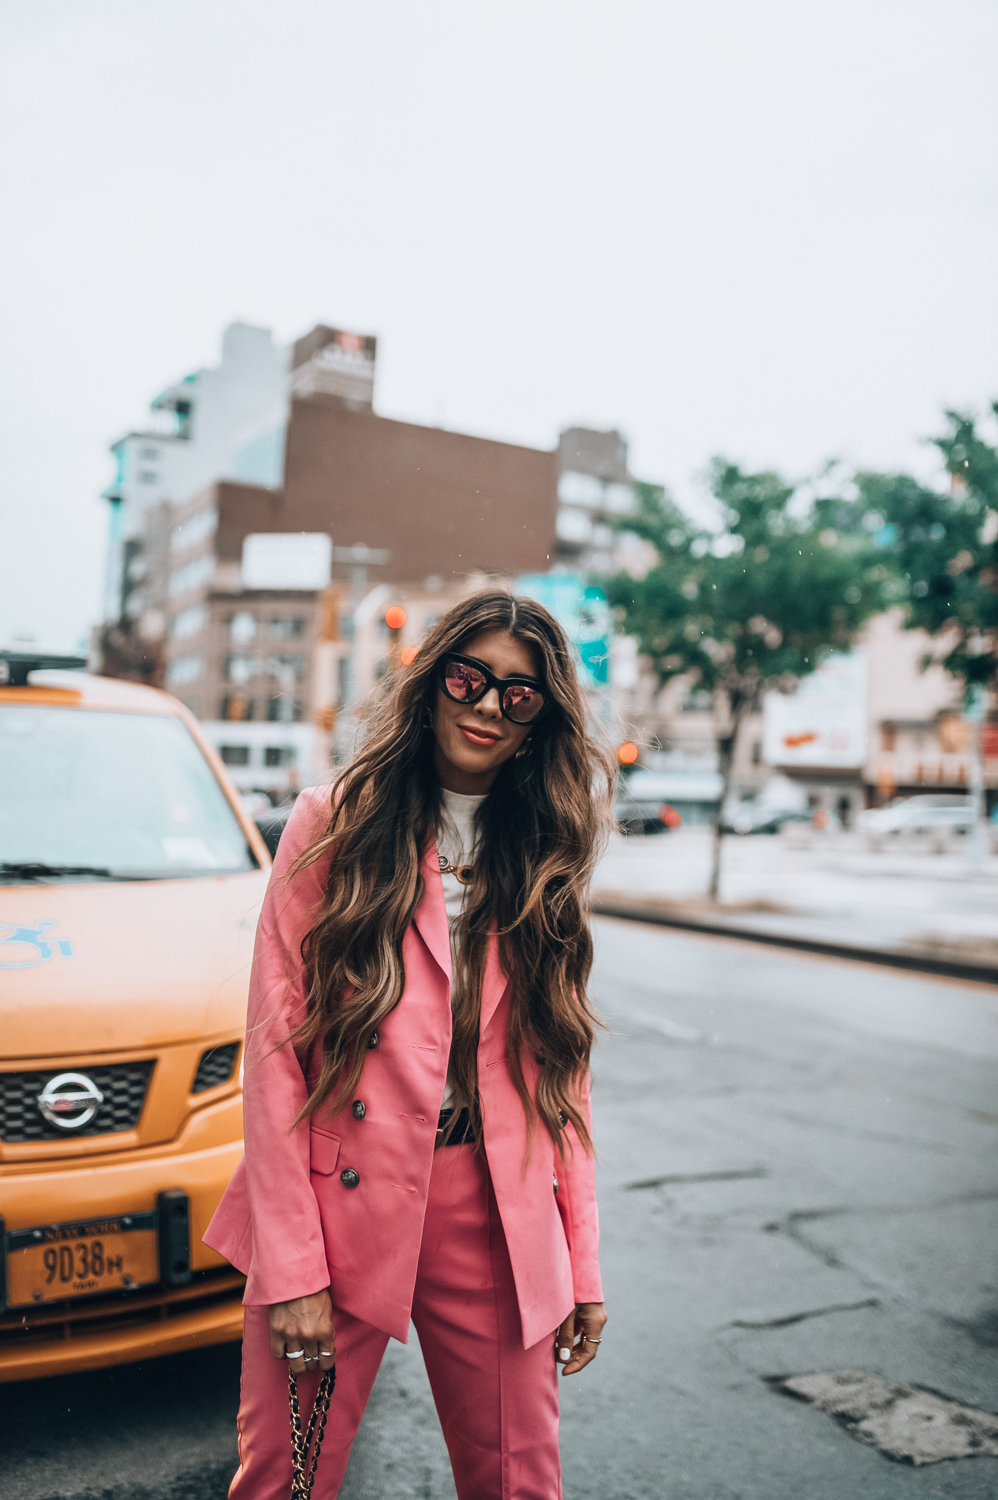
(578, 1337)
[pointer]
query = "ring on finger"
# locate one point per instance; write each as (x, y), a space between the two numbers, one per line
(325, 1353)
(294, 1354)
(587, 1340)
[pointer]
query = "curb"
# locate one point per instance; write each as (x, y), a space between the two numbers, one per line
(659, 914)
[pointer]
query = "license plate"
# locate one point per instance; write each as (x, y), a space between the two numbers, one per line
(80, 1258)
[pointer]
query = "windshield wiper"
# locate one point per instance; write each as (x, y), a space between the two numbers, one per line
(35, 869)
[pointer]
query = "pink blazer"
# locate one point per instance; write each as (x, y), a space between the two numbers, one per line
(289, 1221)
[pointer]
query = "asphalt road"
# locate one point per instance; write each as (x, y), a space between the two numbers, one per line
(797, 1174)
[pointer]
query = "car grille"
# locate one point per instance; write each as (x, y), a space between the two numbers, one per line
(215, 1067)
(124, 1086)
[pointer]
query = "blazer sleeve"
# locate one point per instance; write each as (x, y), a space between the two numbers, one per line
(576, 1174)
(288, 1257)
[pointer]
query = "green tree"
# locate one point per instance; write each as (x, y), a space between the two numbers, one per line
(755, 604)
(945, 547)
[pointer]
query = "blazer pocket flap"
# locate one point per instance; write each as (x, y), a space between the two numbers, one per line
(323, 1152)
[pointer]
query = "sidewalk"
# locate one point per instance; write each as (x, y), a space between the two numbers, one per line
(824, 891)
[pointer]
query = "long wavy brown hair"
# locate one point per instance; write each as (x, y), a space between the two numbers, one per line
(540, 830)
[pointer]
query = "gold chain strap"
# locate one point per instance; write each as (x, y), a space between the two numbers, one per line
(304, 1472)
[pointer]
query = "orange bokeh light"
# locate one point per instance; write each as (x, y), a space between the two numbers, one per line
(670, 816)
(820, 820)
(408, 655)
(628, 753)
(395, 617)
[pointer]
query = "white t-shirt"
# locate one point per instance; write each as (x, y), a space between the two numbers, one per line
(456, 842)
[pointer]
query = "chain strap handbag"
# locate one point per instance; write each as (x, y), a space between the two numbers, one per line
(304, 1467)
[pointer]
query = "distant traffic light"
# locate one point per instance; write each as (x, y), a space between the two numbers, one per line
(395, 617)
(628, 753)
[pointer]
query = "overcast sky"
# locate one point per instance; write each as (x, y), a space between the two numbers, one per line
(763, 228)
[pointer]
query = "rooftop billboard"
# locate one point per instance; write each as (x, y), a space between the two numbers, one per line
(823, 724)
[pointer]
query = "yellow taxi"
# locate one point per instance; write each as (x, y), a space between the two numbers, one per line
(130, 882)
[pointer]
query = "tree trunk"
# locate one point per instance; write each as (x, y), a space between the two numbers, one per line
(726, 746)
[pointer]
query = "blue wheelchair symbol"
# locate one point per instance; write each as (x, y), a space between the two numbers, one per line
(32, 937)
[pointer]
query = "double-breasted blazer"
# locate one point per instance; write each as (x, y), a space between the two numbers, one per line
(339, 1200)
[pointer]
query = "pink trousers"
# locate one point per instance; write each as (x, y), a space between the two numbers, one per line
(497, 1402)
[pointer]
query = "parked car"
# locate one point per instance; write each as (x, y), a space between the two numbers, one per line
(779, 801)
(928, 812)
(755, 816)
(654, 801)
(130, 878)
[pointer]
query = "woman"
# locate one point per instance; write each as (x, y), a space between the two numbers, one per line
(416, 1076)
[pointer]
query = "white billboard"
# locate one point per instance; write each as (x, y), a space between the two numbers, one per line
(286, 560)
(824, 722)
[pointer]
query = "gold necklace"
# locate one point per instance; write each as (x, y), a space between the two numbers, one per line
(464, 873)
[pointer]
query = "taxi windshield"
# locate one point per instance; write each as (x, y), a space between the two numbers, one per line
(90, 794)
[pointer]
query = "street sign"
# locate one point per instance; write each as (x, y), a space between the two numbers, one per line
(582, 612)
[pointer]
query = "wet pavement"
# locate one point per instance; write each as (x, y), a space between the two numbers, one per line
(797, 1176)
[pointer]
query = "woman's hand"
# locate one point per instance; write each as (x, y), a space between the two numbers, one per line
(579, 1335)
(306, 1324)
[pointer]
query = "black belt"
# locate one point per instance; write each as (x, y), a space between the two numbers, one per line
(461, 1135)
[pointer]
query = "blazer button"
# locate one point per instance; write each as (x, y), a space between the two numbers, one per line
(374, 1040)
(358, 1109)
(350, 1178)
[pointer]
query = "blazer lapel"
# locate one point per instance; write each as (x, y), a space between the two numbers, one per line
(431, 914)
(493, 984)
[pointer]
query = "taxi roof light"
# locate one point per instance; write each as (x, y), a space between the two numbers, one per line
(15, 665)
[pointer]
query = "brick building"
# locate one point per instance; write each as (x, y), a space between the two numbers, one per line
(375, 510)
(441, 503)
(398, 512)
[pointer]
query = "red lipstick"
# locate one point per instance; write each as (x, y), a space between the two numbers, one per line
(482, 739)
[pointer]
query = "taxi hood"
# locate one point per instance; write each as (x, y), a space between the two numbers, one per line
(110, 966)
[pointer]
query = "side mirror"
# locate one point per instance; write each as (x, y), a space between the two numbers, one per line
(271, 826)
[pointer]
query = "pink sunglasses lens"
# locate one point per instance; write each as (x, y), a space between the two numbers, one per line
(462, 682)
(522, 703)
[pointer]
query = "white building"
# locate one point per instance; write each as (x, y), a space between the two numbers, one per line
(595, 490)
(270, 758)
(222, 423)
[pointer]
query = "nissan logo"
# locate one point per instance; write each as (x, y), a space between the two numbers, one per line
(70, 1100)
